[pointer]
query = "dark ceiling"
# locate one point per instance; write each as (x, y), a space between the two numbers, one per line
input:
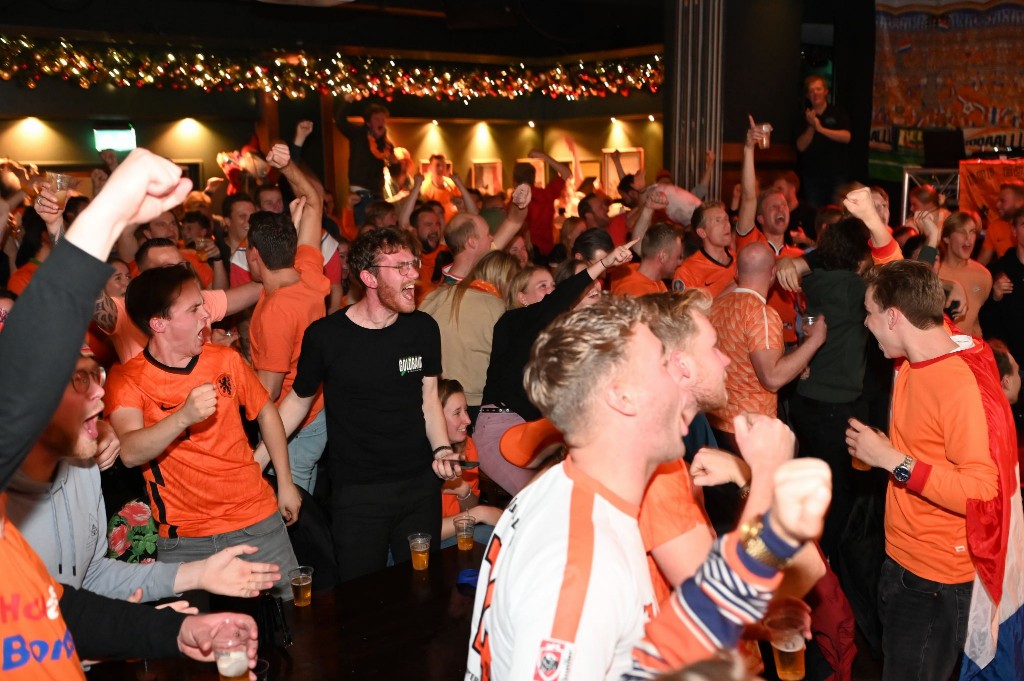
(540, 29)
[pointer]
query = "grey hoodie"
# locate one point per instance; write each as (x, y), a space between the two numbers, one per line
(65, 522)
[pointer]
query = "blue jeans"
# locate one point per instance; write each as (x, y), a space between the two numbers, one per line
(304, 451)
(924, 624)
(270, 535)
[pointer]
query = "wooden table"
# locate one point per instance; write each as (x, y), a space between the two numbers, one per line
(393, 624)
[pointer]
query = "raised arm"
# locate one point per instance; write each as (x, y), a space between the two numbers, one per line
(469, 204)
(408, 204)
(577, 167)
(560, 168)
(652, 200)
(514, 218)
(44, 332)
(860, 205)
(700, 190)
(309, 224)
(49, 210)
(748, 182)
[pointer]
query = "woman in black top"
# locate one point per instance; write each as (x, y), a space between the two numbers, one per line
(504, 401)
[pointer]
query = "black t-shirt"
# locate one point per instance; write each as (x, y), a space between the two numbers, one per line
(373, 393)
(1004, 319)
(824, 156)
(514, 334)
(804, 216)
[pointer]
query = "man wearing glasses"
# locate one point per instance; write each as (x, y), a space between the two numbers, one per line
(378, 362)
(56, 502)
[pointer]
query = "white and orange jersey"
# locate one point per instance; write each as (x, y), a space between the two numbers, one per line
(564, 590)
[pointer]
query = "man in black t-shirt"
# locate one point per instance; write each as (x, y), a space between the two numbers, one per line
(824, 163)
(378, 361)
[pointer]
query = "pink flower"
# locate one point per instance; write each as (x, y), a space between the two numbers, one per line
(118, 540)
(136, 513)
(147, 560)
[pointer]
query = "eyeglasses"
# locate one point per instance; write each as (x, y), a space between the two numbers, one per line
(403, 267)
(82, 379)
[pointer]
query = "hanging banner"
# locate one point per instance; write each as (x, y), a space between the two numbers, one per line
(949, 64)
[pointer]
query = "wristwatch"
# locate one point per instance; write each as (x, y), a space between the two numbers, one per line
(902, 472)
(753, 544)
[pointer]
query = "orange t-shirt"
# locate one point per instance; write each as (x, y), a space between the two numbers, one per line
(671, 507)
(280, 319)
(129, 340)
(428, 261)
(938, 417)
(700, 270)
(203, 271)
(781, 300)
(207, 481)
(999, 237)
(745, 323)
(36, 642)
(19, 280)
(443, 195)
(449, 504)
(637, 284)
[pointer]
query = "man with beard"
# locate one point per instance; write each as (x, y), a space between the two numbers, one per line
(56, 501)
(999, 234)
(44, 335)
(386, 431)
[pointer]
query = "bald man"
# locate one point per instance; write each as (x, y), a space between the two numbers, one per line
(750, 333)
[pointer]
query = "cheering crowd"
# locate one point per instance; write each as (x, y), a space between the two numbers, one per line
(687, 415)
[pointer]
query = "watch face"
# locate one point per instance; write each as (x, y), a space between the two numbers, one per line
(901, 473)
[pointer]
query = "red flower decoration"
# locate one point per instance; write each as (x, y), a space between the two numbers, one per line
(136, 513)
(118, 541)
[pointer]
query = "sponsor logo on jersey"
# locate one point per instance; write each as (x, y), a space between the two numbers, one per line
(408, 365)
(678, 285)
(553, 660)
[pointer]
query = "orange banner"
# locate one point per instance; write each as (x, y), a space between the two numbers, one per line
(980, 180)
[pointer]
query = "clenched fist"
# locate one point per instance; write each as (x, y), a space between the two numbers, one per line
(200, 404)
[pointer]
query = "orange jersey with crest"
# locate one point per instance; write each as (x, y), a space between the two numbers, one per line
(206, 482)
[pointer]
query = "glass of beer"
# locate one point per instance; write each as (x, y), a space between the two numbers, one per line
(766, 141)
(302, 585)
(787, 631)
(231, 652)
(201, 245)
(59, 184)
(419, 546)
(464, 526)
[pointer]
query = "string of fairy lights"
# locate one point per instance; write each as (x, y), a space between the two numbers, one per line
(296, 75)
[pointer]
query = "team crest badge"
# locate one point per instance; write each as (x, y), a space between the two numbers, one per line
(225, 386)
(553, 660)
